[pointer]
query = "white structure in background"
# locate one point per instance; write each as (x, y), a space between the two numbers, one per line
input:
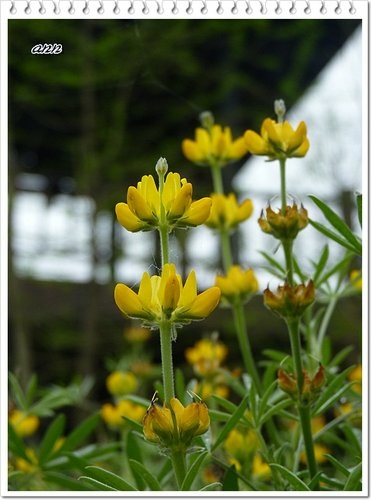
(332, 110)
(53, 240)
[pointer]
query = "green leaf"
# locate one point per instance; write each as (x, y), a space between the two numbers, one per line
(16, 444)
(296, 483)
(109, 478)
(17, 393)
(211, 486)
(275, 410)
(80, 433)
(332, 392)
(96, 485)
(230, 424)
(228, 405)
(137, 426)
(338, 223)
(339, 266)
(303, 277)
(359, 207)
(31, 390)
(180, 385)
(340, 356)
(230, 482)
(320, 265)
(53, 432)
(354, 482)
(353, 437)
(193, 471)
(338, 465)
(278, 356)
(65, 482)
(133, 451)
(275, 264)
(146, 475)
(333, 236)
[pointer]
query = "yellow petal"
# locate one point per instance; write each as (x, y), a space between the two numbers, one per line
(145, 290)
(177, 408)
(238, 148)
(172, 187)
(127, 301)
(192, 151)
(189, 419)
(182, 201)
(127, 219)
(203, 142)
(297, 138)
(205, 303)
(198, 212)
(245, 210)
(138, 204)
(189, 291)
(302, 150)
(255, 144)
(171, 294)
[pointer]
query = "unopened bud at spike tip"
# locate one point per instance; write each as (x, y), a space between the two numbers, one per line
(280, 109)
(207, 119)
(161, 167)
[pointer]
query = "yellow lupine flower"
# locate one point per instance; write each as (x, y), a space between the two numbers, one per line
(206, 356)
(164, 297)
(24, 425)
(27, 466)
(237, 283)
(175, 425)
(113, 414)
(214, 146)
(145, 207)
(206, 389)
(240, 445)
(226, 213)
(320, 450)
(120, 383)
(278, 140)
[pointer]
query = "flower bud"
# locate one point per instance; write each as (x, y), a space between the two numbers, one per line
(284, 226)
(280, 109)
(207, 119)
(161, 167)
(290, 301)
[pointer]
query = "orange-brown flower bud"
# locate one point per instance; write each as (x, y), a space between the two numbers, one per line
(287, 382)
(284, 226)
(290, 301)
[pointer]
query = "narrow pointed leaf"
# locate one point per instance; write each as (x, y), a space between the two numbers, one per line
(146, 475)
(320, 265)
(53, 432)
(230, 424)
(230, 482)
(359, 207)
(80, 433)
(193, 471)
(109, 478)
(334, 236)
(296, 483)
(211, 487)
(354, 482)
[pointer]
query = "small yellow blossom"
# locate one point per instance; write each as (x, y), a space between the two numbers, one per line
(164, 298)
(176, 425)
(214, 147)
(226, 213)
(240, 445)
(260, 468)
(113, 414)
(206, 356)
(24, 425)
(148, 207)
(356, 279)
(237, 283)
(207, 389)
(121, 383)
(278, 140)
(27, 466)
(290, 300)
(356, 376)
(320, 450)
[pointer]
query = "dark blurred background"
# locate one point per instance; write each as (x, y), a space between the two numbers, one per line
(86, 124)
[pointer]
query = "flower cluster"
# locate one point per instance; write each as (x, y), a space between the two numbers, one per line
(173, 425)
(284, 226)
(237, 284)
(226, 213)
(290, 301)
(165, 298)
(149, 207)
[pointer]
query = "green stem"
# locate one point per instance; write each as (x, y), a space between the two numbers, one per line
(216, 173)
(167, 361)
(179, 463)
(164, 244)
(283, 185)
(243, 339)
(304, 410)
(287, 248)
(226, 249)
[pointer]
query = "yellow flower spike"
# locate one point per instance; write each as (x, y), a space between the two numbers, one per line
(206, 357)
(23, 424)
(278, 140)
(226, 213)
(237, 284)
(214, 146)
(164, 298)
